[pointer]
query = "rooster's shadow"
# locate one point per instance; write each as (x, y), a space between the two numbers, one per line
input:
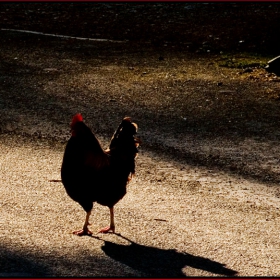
(156, 262)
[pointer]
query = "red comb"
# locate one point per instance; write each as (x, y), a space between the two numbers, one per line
(77, 118)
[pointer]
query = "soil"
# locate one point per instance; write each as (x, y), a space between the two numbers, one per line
(205, 199)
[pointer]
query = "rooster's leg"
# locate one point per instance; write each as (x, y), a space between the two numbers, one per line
(84, 230)
(112, 223)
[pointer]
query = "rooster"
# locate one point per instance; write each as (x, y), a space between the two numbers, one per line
(91, 174)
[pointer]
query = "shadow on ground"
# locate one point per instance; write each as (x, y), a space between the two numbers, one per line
(21, 264)
(36, 98)
(156, 262)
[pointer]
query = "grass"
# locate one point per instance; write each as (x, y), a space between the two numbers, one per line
(242, 61)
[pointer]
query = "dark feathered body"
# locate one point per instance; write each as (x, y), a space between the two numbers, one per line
(89, 174)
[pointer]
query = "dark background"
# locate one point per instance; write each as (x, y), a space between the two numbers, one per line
(239, 26)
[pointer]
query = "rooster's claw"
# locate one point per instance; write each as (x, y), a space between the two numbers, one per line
(82, 232)
(107, 230)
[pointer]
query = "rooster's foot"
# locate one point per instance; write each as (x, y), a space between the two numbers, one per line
(107, 229)
(82, 232)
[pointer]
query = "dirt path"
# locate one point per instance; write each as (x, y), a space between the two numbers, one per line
(183, 221)
(205, 195)
(205, 201)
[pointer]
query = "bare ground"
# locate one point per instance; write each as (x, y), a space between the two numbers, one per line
(205, 201)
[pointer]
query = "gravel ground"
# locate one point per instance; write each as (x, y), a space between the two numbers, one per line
(177, 220)
(205, 199)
